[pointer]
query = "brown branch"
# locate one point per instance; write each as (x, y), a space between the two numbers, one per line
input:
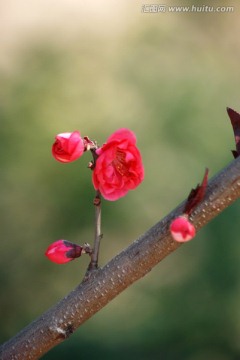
(131, 264)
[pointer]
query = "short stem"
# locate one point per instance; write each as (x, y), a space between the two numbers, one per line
(98, 234)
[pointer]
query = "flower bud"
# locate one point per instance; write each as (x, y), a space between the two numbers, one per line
(68, 147)
(63, 251)
(182, 230)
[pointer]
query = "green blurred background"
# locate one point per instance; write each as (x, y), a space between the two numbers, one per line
(97, 66)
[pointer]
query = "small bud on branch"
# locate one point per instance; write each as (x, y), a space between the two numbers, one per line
(63, 251)
(181, 229)
(68, 147)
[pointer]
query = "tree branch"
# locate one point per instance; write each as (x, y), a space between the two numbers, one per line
(59, 322)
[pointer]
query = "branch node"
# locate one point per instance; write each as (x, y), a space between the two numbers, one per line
(62, 333)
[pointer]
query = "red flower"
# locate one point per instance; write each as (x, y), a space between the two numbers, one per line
(119, 165)
(63, 251)
(182, 230)
(68, 147)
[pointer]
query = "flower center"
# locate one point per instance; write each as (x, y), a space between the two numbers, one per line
(119, 163)
(58, 147)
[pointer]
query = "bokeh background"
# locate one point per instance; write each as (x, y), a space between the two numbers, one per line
(97, 66)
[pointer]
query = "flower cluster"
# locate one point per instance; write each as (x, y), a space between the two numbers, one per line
(117, 166)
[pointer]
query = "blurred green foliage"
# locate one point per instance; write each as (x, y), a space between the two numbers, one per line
(169, 78)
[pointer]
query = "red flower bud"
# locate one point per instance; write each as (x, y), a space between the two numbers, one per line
(68, 147)
(63, 251)
(182, 230)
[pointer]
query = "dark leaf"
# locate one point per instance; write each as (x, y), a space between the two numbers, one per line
(235, 121)
(196, 195)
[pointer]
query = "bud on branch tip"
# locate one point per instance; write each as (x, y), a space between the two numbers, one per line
(68, 147)
(63, 251)
(181, 229)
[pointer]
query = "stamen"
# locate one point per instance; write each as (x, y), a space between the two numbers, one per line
(119, 162)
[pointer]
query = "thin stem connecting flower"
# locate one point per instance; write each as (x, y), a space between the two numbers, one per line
(98, 234)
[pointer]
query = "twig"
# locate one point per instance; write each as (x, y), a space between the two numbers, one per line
(98, 235)
(131, 264)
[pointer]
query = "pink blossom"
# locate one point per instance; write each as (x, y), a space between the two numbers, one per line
(119, 166)
(63, 251)
(182, 230)
(68, 147)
